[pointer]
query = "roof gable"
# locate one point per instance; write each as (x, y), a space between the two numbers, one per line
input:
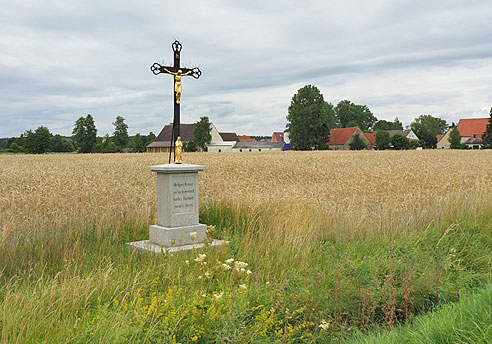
(340, 136)
(469, 126)
(186, 131)
(372, 138)
(278, 136)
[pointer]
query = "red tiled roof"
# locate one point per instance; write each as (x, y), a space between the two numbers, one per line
(278, 136)
(470, 126)
(439, 137)
(372, 138)
(340, 136)
(244, 138)
(474, 140)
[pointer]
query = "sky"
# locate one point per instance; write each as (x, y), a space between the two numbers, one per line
(60, 60)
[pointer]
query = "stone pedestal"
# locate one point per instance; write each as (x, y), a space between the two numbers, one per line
(177, 225)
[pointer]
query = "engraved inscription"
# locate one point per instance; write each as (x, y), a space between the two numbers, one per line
(183, 189)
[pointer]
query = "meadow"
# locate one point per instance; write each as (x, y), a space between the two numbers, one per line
(336, 243)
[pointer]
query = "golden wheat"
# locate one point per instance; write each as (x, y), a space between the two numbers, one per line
(299, 195)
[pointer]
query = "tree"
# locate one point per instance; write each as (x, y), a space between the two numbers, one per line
(348, 113)
(189, 146)
(427, 127)
(137, 143)
(120, 134)
(383, 140)
(357, 143)
(487, 136)
(106, 146)
(37, 142)
(455, 138)
(84, 134)
(309, 119)
(387, 125)
(61, 144)
(149, 139)
(202, 136)
(400, 142)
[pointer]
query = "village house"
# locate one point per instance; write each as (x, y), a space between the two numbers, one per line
(226, 145)
(341, 138)
(278, 136)
(408, 133)
(258, 146)
(471, 131)
(162, 142)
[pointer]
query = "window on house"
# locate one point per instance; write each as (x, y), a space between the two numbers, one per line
(250, 149)
(259, 150)
(241, 150)
(220, 150)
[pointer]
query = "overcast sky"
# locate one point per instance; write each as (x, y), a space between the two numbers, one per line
(60, 60)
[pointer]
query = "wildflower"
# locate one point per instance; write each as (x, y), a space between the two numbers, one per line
(194, 338)
(324, 325)
(242, 286)
(187, 262)
(200, 277)
(200, 258)
(208, 274)
(204, 263)
(230, 261)
(248, 272)
(240, 265)
(226, 267)
(218, 296)
(193, 236)
(267, 283)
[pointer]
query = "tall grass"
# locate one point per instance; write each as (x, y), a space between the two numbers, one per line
(354, 239)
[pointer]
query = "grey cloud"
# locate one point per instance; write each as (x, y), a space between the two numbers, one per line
(62, 60)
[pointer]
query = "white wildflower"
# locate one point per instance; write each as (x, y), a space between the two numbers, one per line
(200, 257)
(187, 262)
(324, 325)
(226, 267)
(242, 286)
(218, 296)
(208, 274)
(240, 265)
(193, 236)
(248, 272)
(200, 277)
(230, 261)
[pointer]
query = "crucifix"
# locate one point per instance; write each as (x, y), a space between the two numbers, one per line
(177, 72)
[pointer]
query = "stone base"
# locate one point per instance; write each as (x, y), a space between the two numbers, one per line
(177, 236)
(147, 246)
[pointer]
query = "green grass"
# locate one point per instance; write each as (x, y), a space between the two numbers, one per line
(89, 287)
(468, 321)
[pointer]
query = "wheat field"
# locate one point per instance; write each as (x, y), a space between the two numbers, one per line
(296, 195)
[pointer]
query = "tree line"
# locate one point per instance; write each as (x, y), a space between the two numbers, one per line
(84, 139)
(310, 119)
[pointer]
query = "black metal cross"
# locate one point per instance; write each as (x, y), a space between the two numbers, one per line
(178, 72)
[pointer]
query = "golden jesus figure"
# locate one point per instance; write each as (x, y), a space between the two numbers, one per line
(178, 87)
(179, 151)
